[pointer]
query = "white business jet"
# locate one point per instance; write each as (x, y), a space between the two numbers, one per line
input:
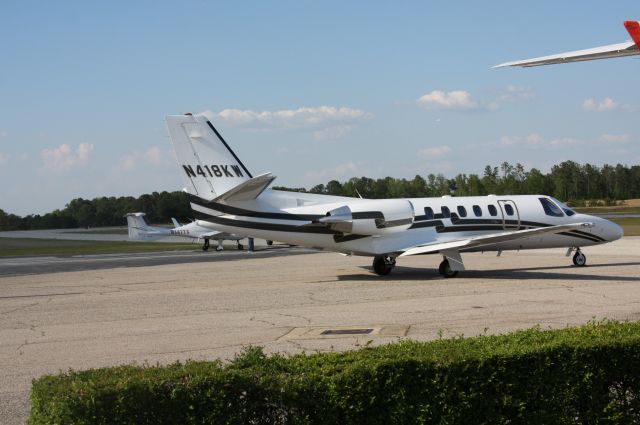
(628, 48)
(235, 201)
(139, 230)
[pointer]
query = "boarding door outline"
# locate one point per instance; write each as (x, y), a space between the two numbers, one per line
(508, 220)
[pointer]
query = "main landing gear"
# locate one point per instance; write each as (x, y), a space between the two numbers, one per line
(383, 264)
(445, 269)
(579, 259)
(205, 247)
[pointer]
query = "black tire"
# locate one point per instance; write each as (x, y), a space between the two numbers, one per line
(269, 243)
(240, 247)
(579, 259)
(445, 269)
(205, 247)
(381, 266)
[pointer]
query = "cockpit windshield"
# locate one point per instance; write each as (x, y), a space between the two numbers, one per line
(550, 208)
(568, 211)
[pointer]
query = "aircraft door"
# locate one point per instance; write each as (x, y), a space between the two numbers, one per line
(510, 214)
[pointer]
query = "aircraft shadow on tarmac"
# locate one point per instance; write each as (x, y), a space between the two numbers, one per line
(542, 273)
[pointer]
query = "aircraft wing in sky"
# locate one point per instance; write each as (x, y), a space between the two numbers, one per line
(628, 48)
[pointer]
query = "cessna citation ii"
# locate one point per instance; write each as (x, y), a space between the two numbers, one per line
(235, 201)
(628, 48)
(139, 230)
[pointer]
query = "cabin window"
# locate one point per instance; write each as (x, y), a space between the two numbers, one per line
(550, 208)
(428, 212)
(462, 212)
(492, 210)
(508, 209)
(477, 210)
(446, 213)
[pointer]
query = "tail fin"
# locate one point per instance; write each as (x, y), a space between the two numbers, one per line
(137, 225)
(209, 166)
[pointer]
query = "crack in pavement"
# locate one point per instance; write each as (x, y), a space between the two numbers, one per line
(295, 317)
(254, 319)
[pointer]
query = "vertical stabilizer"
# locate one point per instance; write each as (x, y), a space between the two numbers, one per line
(137, 226)
(208, 165)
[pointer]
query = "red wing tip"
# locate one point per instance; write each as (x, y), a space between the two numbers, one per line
(633, 28)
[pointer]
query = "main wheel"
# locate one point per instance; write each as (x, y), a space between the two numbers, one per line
(579, 259)
(382, 265)
(240, 246)
(269, 242)
(206, 245)
(445, 269)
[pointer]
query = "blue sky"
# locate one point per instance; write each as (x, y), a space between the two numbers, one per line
(309, 90)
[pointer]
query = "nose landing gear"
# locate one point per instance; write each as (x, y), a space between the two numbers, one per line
(579, 259)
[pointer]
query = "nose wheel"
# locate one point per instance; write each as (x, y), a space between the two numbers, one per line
(579, 259)
(383, 264)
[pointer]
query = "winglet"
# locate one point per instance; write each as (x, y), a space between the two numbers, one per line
(633, 27)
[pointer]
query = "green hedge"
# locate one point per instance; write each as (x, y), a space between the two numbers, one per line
(588, 374)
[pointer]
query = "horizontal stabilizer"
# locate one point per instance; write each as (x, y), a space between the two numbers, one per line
(247, 190)
(495, 238)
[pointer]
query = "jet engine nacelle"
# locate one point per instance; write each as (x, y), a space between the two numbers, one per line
(375, 217)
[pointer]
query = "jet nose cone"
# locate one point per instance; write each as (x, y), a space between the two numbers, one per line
(615, 231)
(608, 230)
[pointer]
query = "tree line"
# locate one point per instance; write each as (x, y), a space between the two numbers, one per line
(105, 211)
(577, 184)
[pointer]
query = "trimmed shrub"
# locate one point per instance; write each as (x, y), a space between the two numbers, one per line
(588, 374)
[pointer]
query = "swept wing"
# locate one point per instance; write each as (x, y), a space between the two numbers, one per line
(628, 48)
(484, 240)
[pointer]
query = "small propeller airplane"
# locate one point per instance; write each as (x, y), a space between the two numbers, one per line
(234, 201)
(139, 230)
(628, 48)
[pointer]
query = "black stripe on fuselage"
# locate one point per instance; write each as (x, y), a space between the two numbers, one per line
(591, 235)
(276, 227)
(228, 209)
(462, 225)
(229, 149)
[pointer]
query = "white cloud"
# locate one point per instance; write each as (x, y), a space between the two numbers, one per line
(64, 157)
(564, 142)
(4, 158)
(606, 104)
(153, 156)
(434, 152)
(532, 140)
(457, 99)
(614, 138)
(347, 169)
(306, 117)
(332, 133)
(513, 93)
